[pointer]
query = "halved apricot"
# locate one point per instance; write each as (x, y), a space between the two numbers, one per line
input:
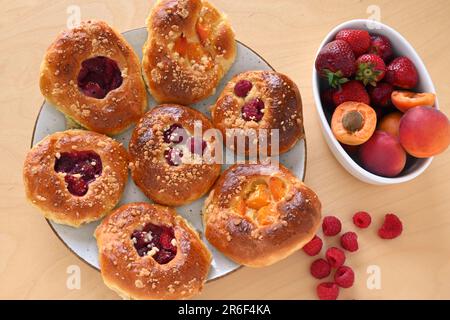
(353, 123)
(266, 215)
(202, 32)
(277, 188)
(181, 45)
(259, 198)
(405, 100)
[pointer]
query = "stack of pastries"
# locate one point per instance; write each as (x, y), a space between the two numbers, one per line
(255, 214)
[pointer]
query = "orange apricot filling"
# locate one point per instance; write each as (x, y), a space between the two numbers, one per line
(202, 32)
(181, 45)
(258, 204)
(405, 100)
(259, 198)
(353, 123)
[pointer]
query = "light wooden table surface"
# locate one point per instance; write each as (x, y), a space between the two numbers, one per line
(33, 262)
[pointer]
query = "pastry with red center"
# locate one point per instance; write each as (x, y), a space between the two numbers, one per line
(75, 177)
(190, 47)
(147, 251)
(258, 214)
(92, 75)
(254, 103)
(172, 162)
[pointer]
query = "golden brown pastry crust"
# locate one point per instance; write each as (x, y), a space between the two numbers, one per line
(60, 68)
(283, 109)
(136, 277)
(186, 76)
(161, 182)
(47, 189)
(242, 238)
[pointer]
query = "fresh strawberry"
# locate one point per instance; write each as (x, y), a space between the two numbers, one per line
(327, 99)
(380, 45)
(351, 91)
(370, 69)
(336, 62)
(359, 40)
(402, 73)
(380, 95)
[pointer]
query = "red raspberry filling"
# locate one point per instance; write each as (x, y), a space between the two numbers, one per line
(98, 76)
(320, 269)
(344, 277)
(327, 291)
(173, 156)
(362, 219)
(197, 145)
(157, 241)
(391, 228)
(174, 134)
(313, 247)
(331, 226)
(349, 241)
(81, 168)
(335, 257)
(253, 110)
(242, 88)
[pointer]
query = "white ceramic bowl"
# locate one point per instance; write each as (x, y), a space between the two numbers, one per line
(401, 48)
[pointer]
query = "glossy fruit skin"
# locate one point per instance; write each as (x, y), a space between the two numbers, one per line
(402, 72)
(391, 123)
(405, 100)
(380, 95)
(424, 132)
(335, 61)
(351, 91)
(381, 46)
(359, 40)
(383, 155)
(370, 69)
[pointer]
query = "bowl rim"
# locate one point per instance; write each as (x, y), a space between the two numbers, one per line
(359, 171)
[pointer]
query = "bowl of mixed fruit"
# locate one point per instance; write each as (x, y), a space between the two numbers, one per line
(377, 103)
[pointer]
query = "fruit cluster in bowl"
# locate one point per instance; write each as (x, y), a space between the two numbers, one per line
(371, 99)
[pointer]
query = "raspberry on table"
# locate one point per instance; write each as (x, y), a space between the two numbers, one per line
(344, 277)
(313, 247)
(327, 291)
(362, 219)
(320, 269)
(349, 241)
(335, 257)
(391, 228)
(331, 226)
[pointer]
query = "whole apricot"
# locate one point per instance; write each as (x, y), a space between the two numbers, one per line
(383, 155)
(424, 132)
(390, 123)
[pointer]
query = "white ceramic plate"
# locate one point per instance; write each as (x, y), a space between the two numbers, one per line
(81, 241)
(414, 167)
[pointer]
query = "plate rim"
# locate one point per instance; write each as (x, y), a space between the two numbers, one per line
(98, 269)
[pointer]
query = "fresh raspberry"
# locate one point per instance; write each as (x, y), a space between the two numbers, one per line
(344, 277)
(327, 291)
(313, 247)
(320, 269)
(362, 219)
(349, 241)
(391, 228)
(335, 257)
(331, 226)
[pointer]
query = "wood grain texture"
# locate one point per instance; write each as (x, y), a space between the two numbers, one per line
(33, 262)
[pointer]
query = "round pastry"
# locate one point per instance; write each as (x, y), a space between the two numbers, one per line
(170, 163)
(259, 214)
(149, 252)
(190, 47)
(76, 176)
(257, 100)
(92, 75)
